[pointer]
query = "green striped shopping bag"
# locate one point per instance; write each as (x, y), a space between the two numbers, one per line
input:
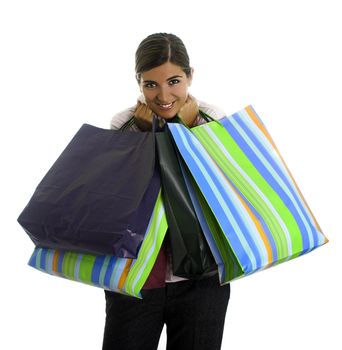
(250, 208)
(122, 275)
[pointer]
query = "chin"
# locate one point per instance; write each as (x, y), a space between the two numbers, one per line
(167, 116)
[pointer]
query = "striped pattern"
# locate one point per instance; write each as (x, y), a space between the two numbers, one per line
(260, 217)
(126, 276)
(218, 245)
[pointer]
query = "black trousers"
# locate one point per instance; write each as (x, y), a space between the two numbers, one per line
(193, 310)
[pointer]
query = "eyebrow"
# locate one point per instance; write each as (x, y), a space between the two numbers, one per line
(174, 77)
(168, 79)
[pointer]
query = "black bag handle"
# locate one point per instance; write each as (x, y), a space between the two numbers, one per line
(130, 122)
(206, 116)
(155, 122)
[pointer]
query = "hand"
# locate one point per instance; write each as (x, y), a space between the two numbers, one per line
(189, 111)
(143, 116)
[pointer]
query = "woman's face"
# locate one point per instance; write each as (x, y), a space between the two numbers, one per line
(165, 89)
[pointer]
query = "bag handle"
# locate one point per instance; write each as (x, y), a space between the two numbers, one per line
(130, 122)
(155, 122)
(206, 116)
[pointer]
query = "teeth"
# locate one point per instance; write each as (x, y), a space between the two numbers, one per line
(165, 106)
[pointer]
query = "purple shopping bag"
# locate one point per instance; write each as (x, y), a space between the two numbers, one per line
(98, 196)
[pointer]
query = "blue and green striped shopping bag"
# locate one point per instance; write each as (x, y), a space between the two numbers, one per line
(255, 214)
(122, 275)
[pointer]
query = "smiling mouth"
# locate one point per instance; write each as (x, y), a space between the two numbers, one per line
(166, 106)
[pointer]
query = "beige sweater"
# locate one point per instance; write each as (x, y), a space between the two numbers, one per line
(122, 117)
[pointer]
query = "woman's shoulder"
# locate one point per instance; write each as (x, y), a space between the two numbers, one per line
(209, 109)
(212, 110)
(119, 119)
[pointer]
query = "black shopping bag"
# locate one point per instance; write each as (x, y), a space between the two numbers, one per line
(98, 196)
(191, 255)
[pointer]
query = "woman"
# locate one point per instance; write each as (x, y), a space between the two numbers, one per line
(193, 310)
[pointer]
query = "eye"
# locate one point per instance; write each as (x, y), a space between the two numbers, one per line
(174, 81)
(150, 85)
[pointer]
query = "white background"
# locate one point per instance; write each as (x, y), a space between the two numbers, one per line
(65, 63)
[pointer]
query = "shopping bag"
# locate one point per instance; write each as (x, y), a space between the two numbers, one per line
(258, 217)
(98, 196)
(191, 256)
(226, 263)
(121, 275)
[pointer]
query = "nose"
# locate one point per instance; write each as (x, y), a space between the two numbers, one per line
(164, 95)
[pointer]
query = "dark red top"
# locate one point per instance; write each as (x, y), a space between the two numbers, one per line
(157, 277)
